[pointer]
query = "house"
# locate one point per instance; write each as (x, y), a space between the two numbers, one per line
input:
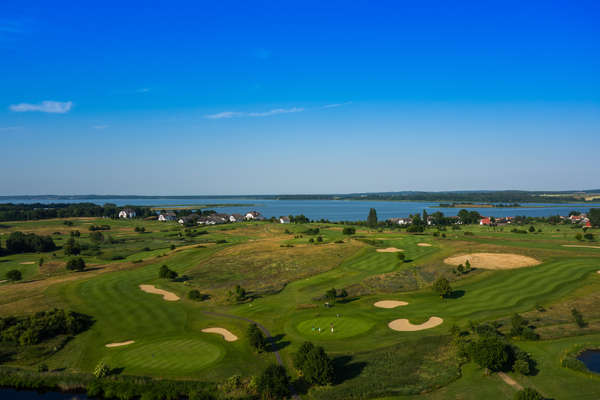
(401, 221)
(170, 216)
(236, 218)
(577, 218)
(485, 221)
(284, 220)
(254, 215)
(189, 219)
(127, 213)
(588, 224)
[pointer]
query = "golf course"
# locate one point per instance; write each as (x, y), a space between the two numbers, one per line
(173, 303)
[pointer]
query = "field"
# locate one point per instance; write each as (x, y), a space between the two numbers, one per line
(286, 272)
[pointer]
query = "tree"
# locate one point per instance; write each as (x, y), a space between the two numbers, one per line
(256, 338)
(401, 256)
(578, 318)
(41, 262)
(301, 354)
(317, 367)
(330, 296)
(594, 216)
(166, 273)
(490, 352)
(14, 275)
(528, 394)
(96, 237)
(76, 264)
(273, 383)
(72, 247)
(195, 295)
(372, 218)
(348, 230)
(442, 287)
(532, 229)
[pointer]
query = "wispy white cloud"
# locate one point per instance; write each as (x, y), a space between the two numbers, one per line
(236, 114)
(334, 105)
(100, 127)
(48, 106)
(10, 128)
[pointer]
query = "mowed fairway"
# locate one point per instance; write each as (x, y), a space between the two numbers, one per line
(287, 297)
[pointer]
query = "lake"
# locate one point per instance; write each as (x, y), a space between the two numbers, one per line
(591, 359)
(333, 210)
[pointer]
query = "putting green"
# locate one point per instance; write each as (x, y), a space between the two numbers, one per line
(168, 357)
(343, 327)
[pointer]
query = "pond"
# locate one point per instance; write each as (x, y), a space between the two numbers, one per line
(591, 359)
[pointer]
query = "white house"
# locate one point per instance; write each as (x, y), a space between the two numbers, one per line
(236, 218)
(170, 216)
(401, 221)
(254, 215)
(284, 220)
(127, 213)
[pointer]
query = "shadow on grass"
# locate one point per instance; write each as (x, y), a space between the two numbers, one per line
(456, 294)
(275, 343)
(347, 300)
(345, 369)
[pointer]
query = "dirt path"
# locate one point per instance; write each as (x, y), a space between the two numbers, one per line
(510, 381)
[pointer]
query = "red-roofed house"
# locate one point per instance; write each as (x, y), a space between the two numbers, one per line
(485, 221)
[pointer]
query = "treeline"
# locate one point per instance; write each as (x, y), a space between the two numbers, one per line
(26, 212)
(42, 326)
(506, 196)
(19, 242)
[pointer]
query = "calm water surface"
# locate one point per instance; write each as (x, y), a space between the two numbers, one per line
(591, 359)
(333, 210)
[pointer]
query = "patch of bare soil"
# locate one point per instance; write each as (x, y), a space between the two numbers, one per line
(390, 303)
(389, 250)
(493, 260)
(404, 325)
(168, 296)
(119, 344)
(228, 336)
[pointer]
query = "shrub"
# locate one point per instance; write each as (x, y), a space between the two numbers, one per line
(348, 230)
(165, 273)
(42, 368)
(195, 295)
(579, 236)
(589, 236)
(578, 318)
(14, 275)
(300, 356)
(532, 229)
(528, 394)
(401, 256)
(76, 264)
(102, 370)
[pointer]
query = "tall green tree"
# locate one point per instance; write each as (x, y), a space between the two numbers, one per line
(256, 338)
(372, 218)
(594, 216)
(318, 368)
(442, 287)
(490, 352)
(273, 383)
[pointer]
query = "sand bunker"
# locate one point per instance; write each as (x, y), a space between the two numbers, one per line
(28, 263)
(404, 325)
(168, 296)
(390, 303)
(119, 344)
(578, 245)
(424, 244)
(389, 250)
(228, 336)
(493, 260)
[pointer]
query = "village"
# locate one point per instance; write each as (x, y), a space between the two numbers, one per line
(211, 217)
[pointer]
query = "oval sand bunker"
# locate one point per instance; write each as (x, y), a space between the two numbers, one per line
(119, 344)
(390, 303)
(493, 260)
(389, 250)
(424, 244)
(228, 336)
(168, 296)
(404, 325)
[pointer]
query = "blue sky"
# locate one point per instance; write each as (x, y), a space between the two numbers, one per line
(298, 97)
